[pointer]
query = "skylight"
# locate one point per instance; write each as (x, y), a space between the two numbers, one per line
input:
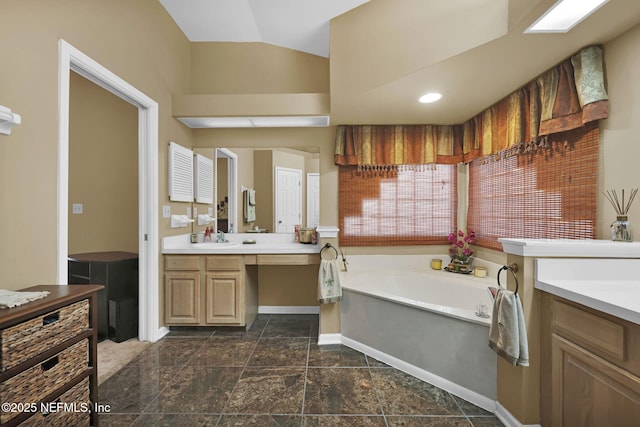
(564, 15)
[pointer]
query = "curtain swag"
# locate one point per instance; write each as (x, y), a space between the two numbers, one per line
(565, 97)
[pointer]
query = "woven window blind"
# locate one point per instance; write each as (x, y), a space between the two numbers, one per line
(549, 192)
(397, 205)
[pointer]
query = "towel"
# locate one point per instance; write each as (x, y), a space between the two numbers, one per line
(249, 206)
(252, 197)
(508, 333)
(10, 299)
(329, 288)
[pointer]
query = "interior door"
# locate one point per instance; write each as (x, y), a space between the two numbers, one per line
(313, 200)
(288, 199)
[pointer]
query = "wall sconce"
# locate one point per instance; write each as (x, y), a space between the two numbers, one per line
(8, 120)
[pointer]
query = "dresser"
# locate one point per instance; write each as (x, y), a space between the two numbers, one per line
(118, 272)
(48, 358)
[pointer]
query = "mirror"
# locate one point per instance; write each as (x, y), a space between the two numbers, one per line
(285, 182)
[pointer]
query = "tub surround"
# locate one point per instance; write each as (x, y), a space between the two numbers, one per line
(265, 243)
(571, 248)
(607, 285)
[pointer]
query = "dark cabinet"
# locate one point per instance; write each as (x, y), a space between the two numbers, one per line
(118, 272)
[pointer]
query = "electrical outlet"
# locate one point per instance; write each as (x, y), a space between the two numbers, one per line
(195, 213)
(166, 211)
(76, 209)
(210, 211)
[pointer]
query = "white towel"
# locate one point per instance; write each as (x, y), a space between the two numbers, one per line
(10, 299)
(252, 196)
(329, 287)
(249, 208)
(508, 333)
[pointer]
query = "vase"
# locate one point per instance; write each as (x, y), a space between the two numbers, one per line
(621, 230)
(458, 265)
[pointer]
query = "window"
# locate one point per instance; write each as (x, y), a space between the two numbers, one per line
(397, 205)
(549, 192)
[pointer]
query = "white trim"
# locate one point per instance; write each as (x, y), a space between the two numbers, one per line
(453, 388)
(508, 419)
(288, 309)
(328, 339)
(327, 232)
(70, 58)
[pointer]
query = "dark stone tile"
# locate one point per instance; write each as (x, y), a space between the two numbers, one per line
(470, 409)
(335, 355)
(169, 352)
(196, 389)
(491, 421)
(268, 391)
(402, 394)
(260, 420)
(172, 420)
(427, 421)
(280, 352)
(340, 391)
(133, 387)
(343, 420)
(375, 363)
(224, 351)
(290, 326)
(117, 420)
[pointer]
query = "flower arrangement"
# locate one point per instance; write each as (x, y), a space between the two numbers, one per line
(460, 242)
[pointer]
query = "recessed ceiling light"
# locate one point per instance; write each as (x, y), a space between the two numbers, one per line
(564, 15)
(430, 97)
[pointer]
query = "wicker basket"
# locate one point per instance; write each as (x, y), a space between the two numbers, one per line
(74, 415)
(28, 339)
(37, 382)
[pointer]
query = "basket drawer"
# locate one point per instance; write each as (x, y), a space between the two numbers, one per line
(21, 342)
(77, 412)
(37, 382)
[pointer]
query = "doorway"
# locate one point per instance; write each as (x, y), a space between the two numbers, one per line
(288, 190)
(71, 59)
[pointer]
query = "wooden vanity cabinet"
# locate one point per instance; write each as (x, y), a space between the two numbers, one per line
(591, 367)
(224, 296)
(182, 291)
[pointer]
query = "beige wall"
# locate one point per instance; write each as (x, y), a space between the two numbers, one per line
(103, 170)
(137, 41)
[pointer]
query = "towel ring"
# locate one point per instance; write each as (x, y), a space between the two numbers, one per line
(513, 268)
(329, 246)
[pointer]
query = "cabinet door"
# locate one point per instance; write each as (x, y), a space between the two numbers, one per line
(182, 297)
(588, 391)
(223, 298)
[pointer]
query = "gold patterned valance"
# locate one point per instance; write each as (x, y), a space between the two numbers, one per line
(566, 97)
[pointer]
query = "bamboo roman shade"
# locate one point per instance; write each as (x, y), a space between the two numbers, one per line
(549, 192)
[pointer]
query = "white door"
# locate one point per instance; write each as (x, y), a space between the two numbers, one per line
(288, 199)
(313, 200)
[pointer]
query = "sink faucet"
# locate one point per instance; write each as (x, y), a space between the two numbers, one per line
(221, 238)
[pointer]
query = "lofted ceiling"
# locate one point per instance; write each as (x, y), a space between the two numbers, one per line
(385, 54)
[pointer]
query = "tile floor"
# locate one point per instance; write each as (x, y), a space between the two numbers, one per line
(272, 375)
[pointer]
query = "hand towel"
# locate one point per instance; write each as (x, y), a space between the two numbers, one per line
(329, 287)
(252, 196)
(249, 209)
(10, 299)
(508, 333)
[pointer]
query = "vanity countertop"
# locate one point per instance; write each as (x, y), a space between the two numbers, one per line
(265, 243)
(611, 286)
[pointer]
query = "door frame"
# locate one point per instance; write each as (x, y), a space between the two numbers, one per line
(232, 184)
(72, 59)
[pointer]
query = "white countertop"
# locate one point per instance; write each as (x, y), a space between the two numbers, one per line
(571, 248)
(266, 243)
(611, 286)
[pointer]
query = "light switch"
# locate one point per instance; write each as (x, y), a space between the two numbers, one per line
(76, 209)
(166, 211)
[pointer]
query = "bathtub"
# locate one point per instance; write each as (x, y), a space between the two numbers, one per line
(397, 310)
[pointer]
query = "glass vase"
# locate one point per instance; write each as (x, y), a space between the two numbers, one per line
(621, 230)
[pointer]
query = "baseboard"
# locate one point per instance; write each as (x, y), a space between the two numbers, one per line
(453, 388)
(162, 331)
(508, 419)
(288, 309)
(328, 339)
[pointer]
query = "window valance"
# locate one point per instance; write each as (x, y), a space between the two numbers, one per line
(565, 97)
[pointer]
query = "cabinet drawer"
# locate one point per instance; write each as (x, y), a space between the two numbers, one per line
(75, 397)
(35, 383)
(223, 262)
(28, 339)
(181, 262)
(592, 331)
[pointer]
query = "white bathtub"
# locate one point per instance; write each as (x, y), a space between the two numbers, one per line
(396, 309)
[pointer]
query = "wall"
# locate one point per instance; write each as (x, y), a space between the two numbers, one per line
(103, 170)
(137, 41)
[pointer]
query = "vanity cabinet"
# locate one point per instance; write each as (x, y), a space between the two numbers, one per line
(226, 298)
(590, 367)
